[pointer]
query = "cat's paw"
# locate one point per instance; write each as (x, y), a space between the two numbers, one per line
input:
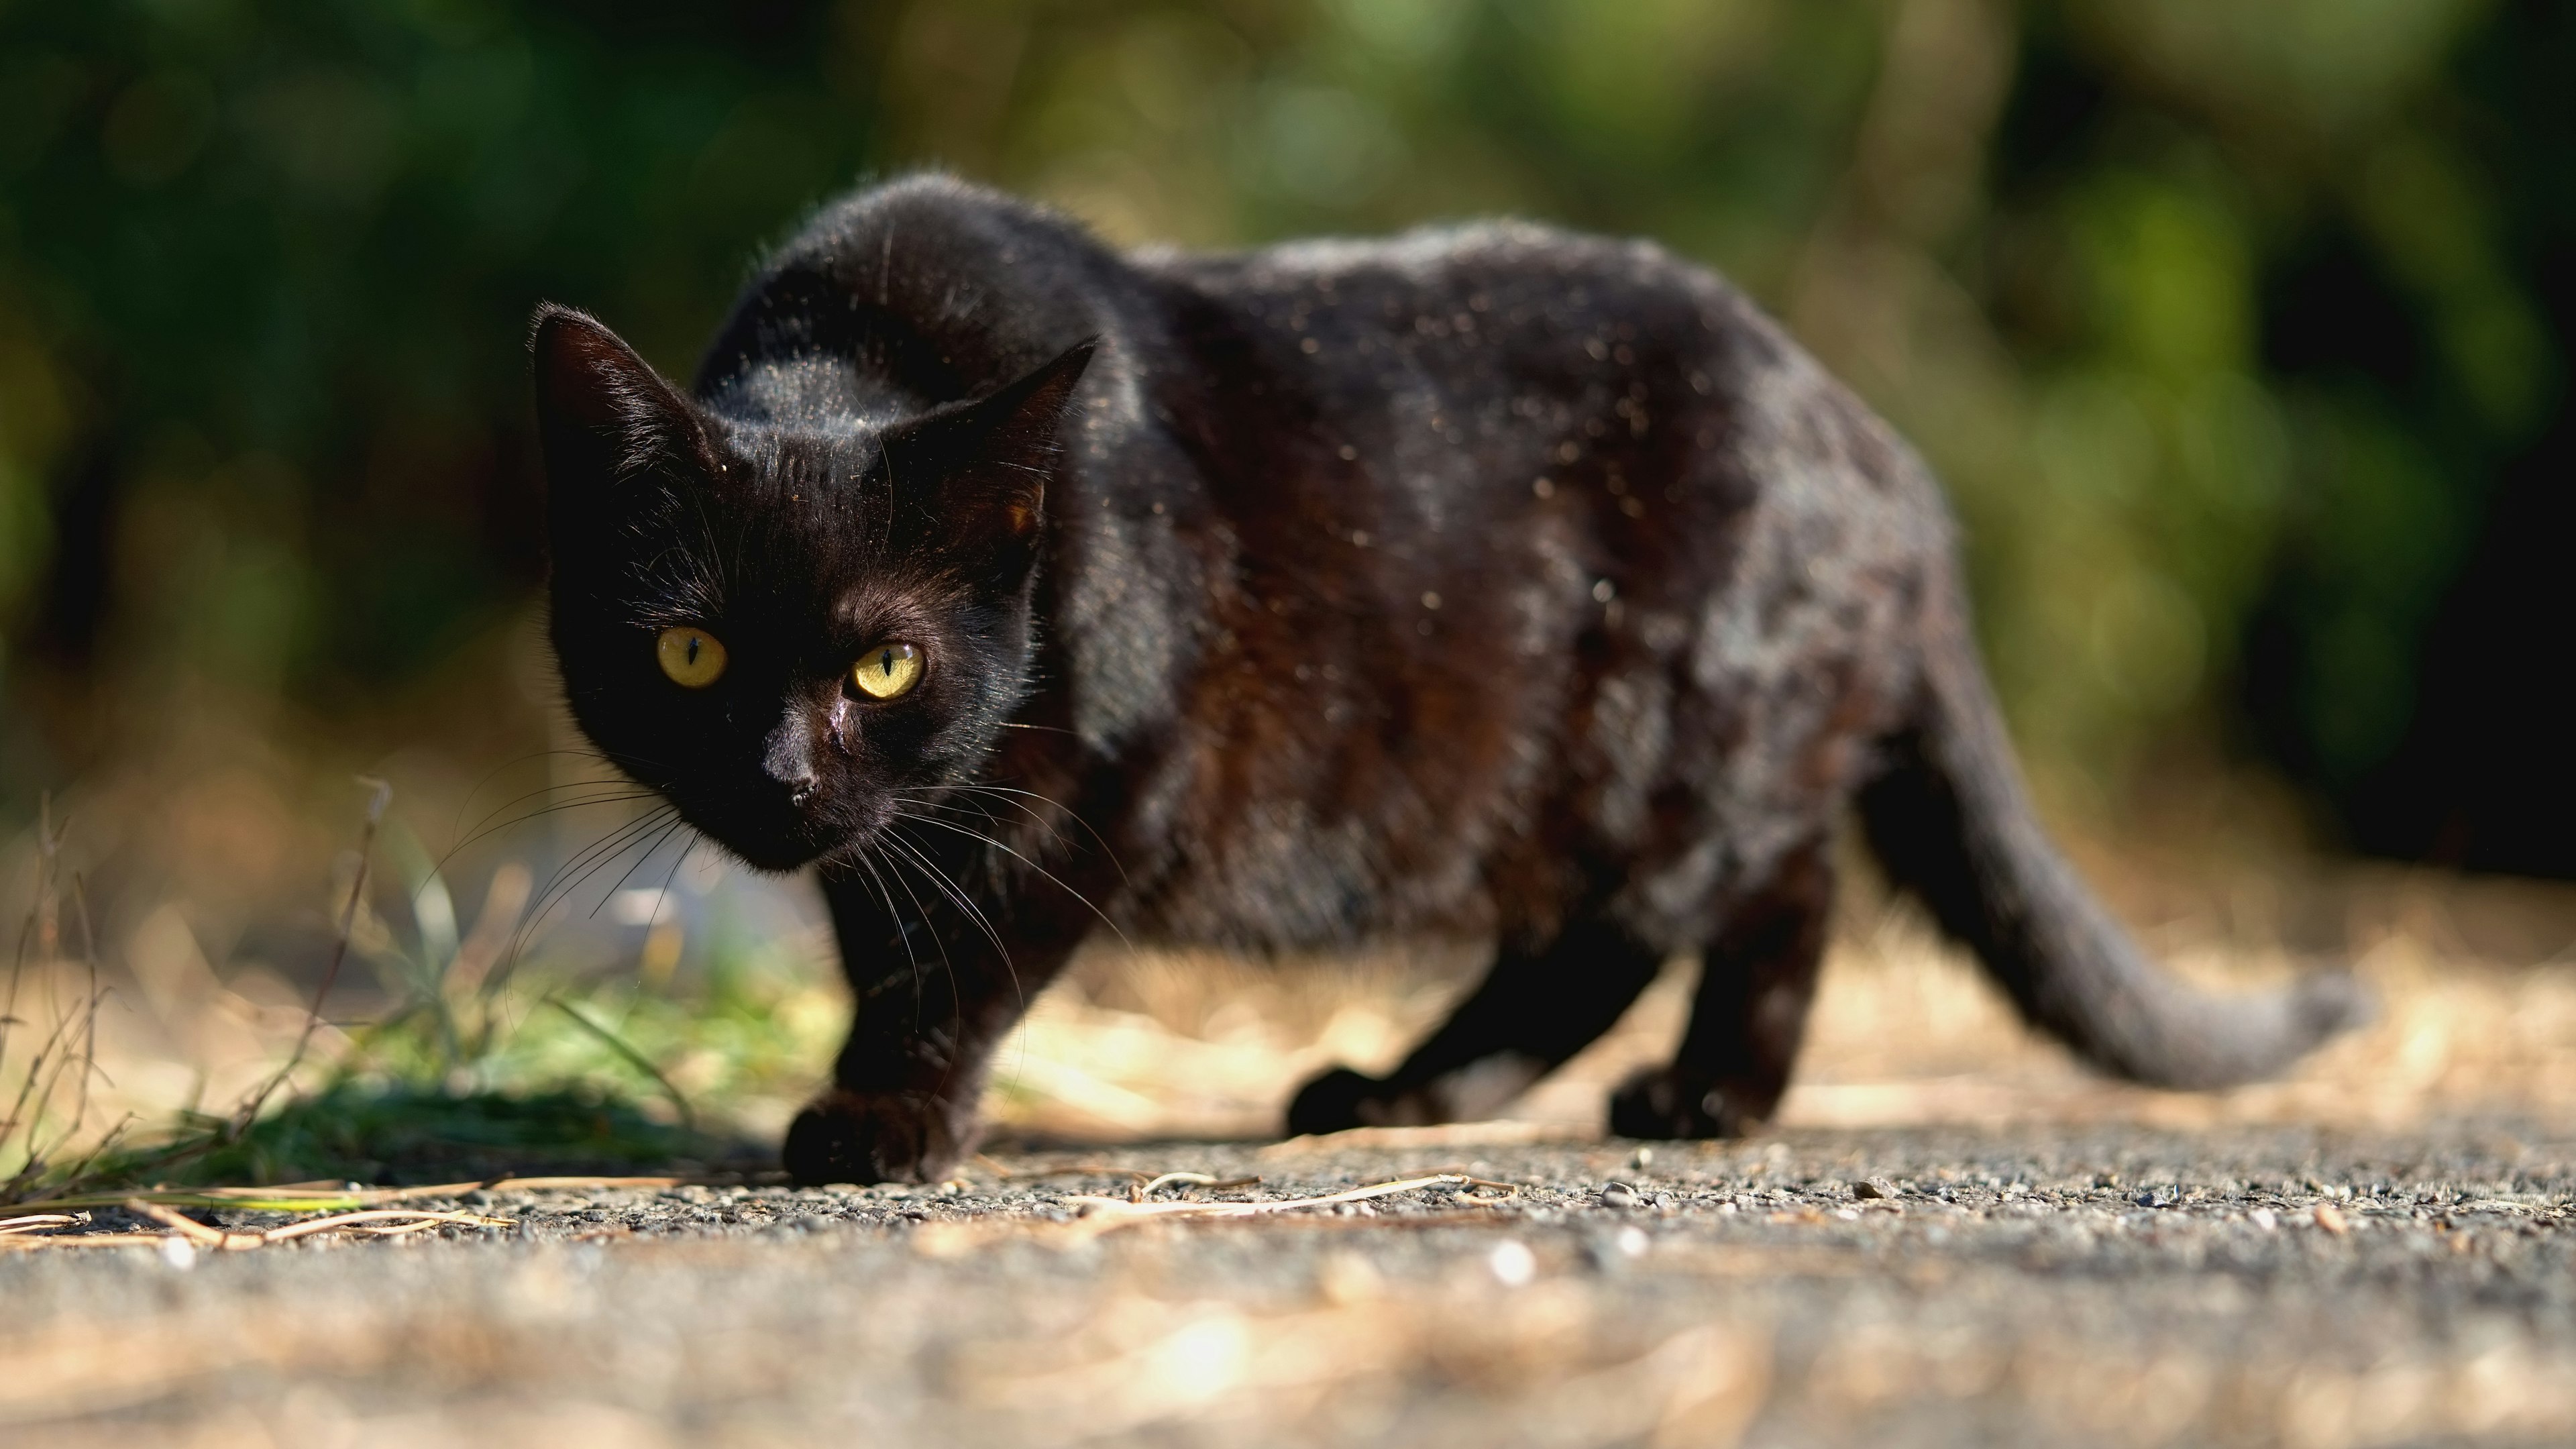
(1333, 1102)
(1661, 1103)
(865, 1137)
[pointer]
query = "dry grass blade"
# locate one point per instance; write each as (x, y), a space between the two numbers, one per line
(29, 1242)
(1108, 1213)
(297, 1200)
(379, 795)
(373, 1220)
(53, 1084)
(1192, 1179)
(249, 1198)
(544, 1184)
(190, 1229)
(1478, 1179)
(36, 1223)
(410, 1220)
(642, 1063)
(404, 1230)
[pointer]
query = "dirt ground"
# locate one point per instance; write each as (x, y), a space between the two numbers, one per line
(1955, 1237)
(1924, 1287)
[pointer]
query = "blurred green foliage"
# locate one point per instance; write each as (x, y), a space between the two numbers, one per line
(264, 271)
(561, 1075)
(2226, 322)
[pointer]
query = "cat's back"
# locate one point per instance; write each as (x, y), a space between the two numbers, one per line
(1507, 350)
(1499, 354)
(1482, 404)
(1495, 313)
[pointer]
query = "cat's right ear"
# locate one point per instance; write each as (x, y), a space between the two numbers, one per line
(604, 415)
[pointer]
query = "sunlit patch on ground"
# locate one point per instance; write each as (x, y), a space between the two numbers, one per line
(1140, 1045)
(1905, 1031)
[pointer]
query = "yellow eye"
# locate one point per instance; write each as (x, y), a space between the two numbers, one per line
(887, 670)
(692, 657)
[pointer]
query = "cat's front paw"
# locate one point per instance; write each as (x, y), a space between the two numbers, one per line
(865, 1137)
(1661, 1103)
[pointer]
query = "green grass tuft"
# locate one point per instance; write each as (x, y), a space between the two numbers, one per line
(391, 1133)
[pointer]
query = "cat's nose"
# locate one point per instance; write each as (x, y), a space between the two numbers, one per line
(789, 759)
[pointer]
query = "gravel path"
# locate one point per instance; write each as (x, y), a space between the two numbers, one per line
(2103, 1285)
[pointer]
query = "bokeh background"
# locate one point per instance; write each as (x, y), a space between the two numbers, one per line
(2239, 331)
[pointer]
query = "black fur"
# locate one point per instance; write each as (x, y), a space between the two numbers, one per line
(1491, 581)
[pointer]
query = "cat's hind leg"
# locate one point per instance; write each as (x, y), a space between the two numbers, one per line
(1757, 980)
(1533, 1010)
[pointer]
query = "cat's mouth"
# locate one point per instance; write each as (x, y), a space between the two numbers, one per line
(770, 832)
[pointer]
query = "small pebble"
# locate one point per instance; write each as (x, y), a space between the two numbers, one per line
(1645, 1158)
(1512, 1263)
(178, 1252)
(1874, 1187)
(1632, 1241)
(1618, 1195)
(2331, 1220)
(2264, 1218)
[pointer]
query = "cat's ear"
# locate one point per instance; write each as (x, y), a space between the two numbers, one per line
(995, 454)
(603, 414)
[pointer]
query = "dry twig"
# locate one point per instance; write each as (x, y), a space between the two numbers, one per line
(38, 1230)
(1110, 1213)
(379, 795)
(320, 1197)
(1101, 1215)
(375, 1221)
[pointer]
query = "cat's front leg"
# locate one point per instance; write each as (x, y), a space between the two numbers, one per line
(862, 1137)
(936, 991)
(904, 1101)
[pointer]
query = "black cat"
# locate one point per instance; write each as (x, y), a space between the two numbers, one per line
(1491, 580)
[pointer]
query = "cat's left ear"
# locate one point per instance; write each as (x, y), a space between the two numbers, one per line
(996, 453)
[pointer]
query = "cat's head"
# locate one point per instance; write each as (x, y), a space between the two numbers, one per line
(792, 624)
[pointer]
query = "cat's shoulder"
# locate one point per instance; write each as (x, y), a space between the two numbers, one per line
(936, 215)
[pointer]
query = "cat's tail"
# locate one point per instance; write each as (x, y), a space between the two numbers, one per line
(1949, 820)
